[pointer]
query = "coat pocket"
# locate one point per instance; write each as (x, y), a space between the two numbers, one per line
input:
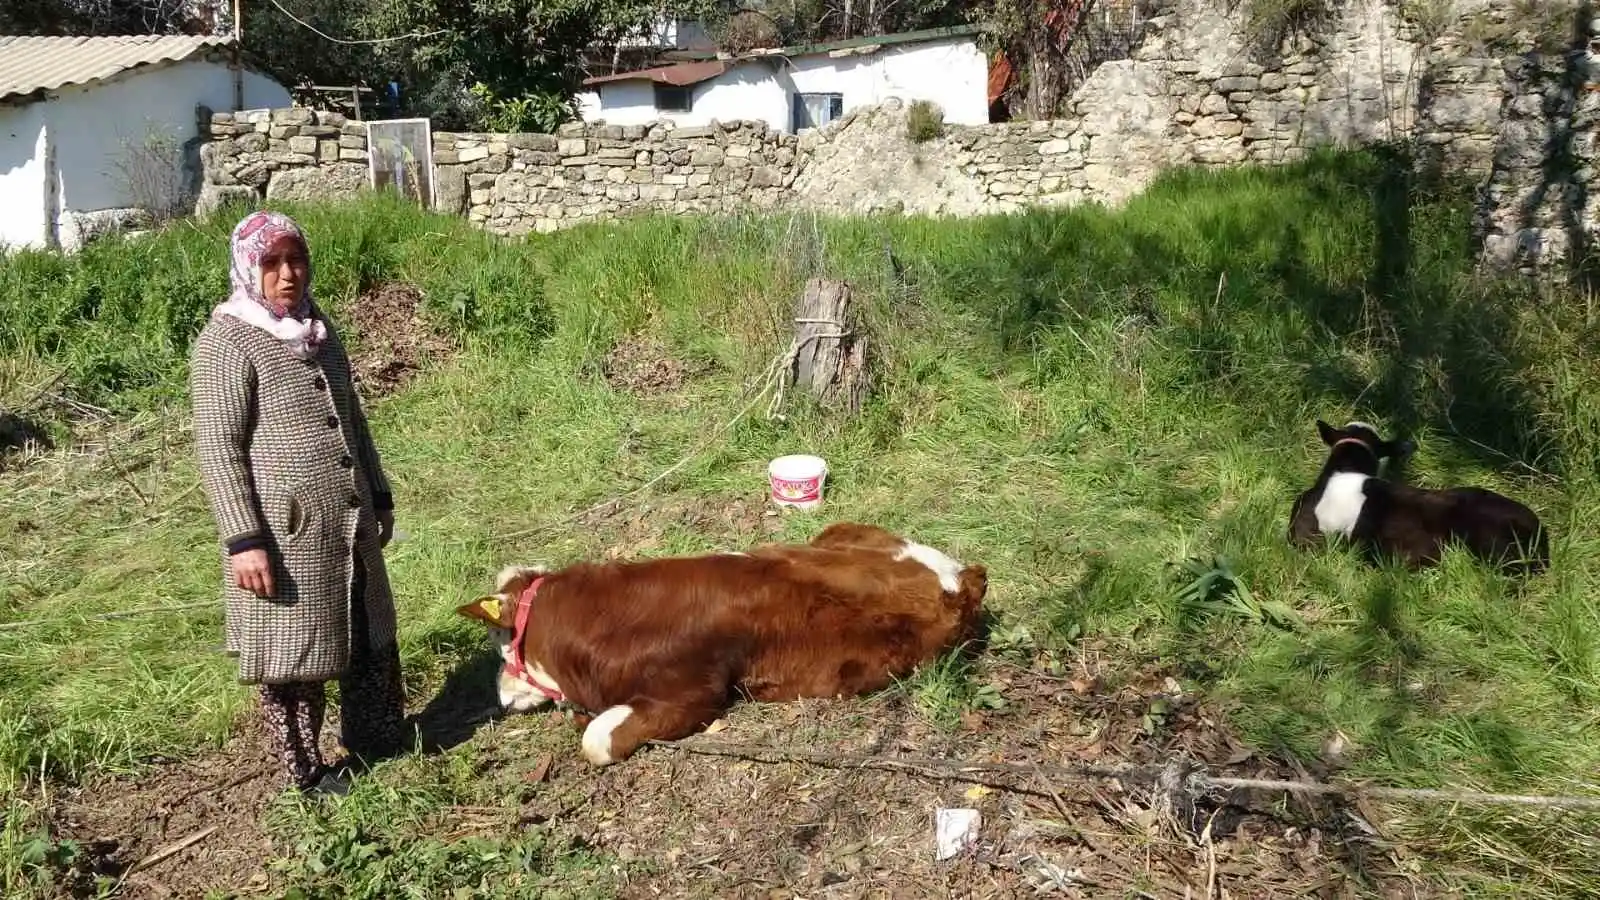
(290, 516)
(297, 517)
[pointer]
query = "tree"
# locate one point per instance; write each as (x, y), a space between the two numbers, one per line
(514, 49)
(295, 54)
(104, 17)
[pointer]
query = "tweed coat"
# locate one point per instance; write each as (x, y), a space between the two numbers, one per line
(287, 461)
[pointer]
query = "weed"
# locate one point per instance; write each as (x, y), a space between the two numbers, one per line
(1269, 22)
(924, 121)
(1550, 27)
(1067, 398)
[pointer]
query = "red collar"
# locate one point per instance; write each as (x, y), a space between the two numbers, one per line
(518, 667)
(1364, 445)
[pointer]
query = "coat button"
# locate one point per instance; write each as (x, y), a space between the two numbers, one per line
(333, 421)
(355, 500)
(319, 382)
(346, 462)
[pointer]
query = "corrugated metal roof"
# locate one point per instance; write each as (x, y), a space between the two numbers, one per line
(29, 64)
(681, 74)
(685, 73)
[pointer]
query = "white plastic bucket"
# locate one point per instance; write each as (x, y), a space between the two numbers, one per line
(796, 480)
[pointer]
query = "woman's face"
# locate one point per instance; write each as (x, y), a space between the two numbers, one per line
(285, 269)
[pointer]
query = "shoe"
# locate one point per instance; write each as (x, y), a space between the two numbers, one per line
(333, 783)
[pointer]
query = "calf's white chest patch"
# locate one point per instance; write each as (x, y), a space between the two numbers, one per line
(1340, 506)
(947, 569)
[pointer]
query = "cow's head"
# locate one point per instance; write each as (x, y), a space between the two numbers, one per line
(499, 611)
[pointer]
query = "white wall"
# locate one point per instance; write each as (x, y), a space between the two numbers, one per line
(24, 198)
(953, 73)
(89, 124)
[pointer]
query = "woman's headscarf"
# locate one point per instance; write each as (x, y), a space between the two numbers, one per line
(298, 327)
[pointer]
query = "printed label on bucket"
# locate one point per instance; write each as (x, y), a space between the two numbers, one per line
(802, 490)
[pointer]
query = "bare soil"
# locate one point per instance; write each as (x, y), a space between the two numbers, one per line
(390, 340)
(697, 825)
(644, 366)
(123, 821)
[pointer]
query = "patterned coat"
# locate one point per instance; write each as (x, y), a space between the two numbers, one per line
(287, 462)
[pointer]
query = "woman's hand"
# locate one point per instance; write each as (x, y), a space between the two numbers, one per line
(253, 572)
(385, 526)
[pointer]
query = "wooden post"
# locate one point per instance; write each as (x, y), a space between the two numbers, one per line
(831, 354)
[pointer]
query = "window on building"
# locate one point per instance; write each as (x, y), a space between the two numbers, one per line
(817, 110)
(673, 98)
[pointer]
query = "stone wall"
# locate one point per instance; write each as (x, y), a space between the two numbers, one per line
(516, 183)
(1197, 89)
(1536, 211)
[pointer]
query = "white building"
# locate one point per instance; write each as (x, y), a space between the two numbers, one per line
(792, 88)
(91, 127)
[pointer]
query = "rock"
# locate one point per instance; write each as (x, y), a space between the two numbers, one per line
(297, 115)
(341, 181)
(449, 189)
(214, 197)
(545, 143)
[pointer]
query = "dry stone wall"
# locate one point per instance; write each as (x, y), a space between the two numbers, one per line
(510, 183)
(1196, 90)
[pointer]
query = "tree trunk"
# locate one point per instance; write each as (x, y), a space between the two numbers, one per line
(831, 356)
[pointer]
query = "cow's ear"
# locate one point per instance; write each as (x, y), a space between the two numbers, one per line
(489, 609)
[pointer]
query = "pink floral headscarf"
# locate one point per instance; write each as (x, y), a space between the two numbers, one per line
(299, 327)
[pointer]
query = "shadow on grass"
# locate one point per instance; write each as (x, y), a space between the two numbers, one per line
(1352, 270)
(465, 702)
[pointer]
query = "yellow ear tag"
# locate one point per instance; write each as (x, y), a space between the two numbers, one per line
(491, 605)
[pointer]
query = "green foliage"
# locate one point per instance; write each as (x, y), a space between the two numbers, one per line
(118, 317)
(924, 121)
(542, 113)
(514, 48)
(1080, 399)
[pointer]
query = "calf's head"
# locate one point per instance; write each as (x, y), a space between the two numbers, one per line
(1364, 440)
(528, 686)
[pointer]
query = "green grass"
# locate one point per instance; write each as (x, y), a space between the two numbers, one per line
(1082, 400)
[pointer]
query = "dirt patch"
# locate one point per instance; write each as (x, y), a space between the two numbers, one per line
(696, 825)
(392, 342)
(122, 821)
(730, 827)
(644, 366)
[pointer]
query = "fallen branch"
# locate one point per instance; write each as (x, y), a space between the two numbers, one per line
(1179, 774)
(171, 850)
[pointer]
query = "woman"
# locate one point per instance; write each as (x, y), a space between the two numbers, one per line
(302, 508)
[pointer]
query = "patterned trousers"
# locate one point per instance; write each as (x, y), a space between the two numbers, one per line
(371, 703)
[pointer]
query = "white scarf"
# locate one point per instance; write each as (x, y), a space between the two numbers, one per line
(293, 332)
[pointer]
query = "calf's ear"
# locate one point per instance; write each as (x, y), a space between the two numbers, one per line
(1329, 434)
(488, 609)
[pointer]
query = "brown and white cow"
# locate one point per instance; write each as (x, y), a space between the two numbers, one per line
(659, 648)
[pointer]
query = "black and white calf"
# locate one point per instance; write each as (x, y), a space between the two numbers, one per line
(1390, 519)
